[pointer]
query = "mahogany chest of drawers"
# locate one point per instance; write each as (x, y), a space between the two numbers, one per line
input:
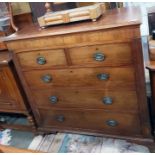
(87, 76)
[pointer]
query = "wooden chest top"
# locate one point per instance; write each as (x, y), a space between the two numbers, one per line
(110, 19)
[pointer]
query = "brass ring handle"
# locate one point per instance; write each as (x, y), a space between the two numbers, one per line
(41, 60)
(107, 100)
(59, 118)
(112, 123)
(103, 76)
(53, 99)
(99, 56)
(46, 78)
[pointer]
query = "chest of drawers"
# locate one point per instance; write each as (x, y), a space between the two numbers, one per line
(13, 102)
(10, 100)
(86, 77)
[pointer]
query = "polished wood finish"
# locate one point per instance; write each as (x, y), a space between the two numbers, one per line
(71, 40)
(82, 77)
(75, 78)
(122, 17)
(4, 58)
(115, 54)
(87, 98)
(2, 44)
(10, 149)
(12, 96)
(28, 60)
(95, 120)
(8, 97)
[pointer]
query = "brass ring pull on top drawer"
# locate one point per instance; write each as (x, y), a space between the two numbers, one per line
(41, 60)
(46, 78)
(99, 56)
(103, 76)
(53, 99)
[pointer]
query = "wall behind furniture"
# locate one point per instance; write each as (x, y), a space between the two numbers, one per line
(20, 8)
(143, 6)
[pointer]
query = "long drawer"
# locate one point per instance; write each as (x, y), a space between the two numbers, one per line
(83, 98)
(95, 120)
(82, 77)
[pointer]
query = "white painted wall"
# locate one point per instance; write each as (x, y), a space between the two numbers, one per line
(143, 6)
(144, 32)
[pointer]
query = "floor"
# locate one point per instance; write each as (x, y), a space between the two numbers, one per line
(21, 139)
(75, 143)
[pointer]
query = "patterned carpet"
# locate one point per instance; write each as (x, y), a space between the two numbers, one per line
(5, 137)
(75, 143)
(68, 143)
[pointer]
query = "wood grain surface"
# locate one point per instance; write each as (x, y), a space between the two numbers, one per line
(87, 98)
(73, 75)
(82, 77)
(111, 19)
(92, 119)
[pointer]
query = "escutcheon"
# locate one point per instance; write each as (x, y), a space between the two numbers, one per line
(103, 76)
(99, 56)
(46, 78)
(112, 123)
(107, 100)
(60, 118)
(53, 99)
(41, 60)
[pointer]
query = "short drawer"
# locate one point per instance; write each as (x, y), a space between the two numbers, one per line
(41, 58)
(82, 77)
(102, 55)
(83, 98)
(95, 120)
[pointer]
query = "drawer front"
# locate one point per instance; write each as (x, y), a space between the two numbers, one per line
(91, 99)
(41, 59)
(10, 97)
(8, 104)
(97, 120)
(83, 77)
(102, 55)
